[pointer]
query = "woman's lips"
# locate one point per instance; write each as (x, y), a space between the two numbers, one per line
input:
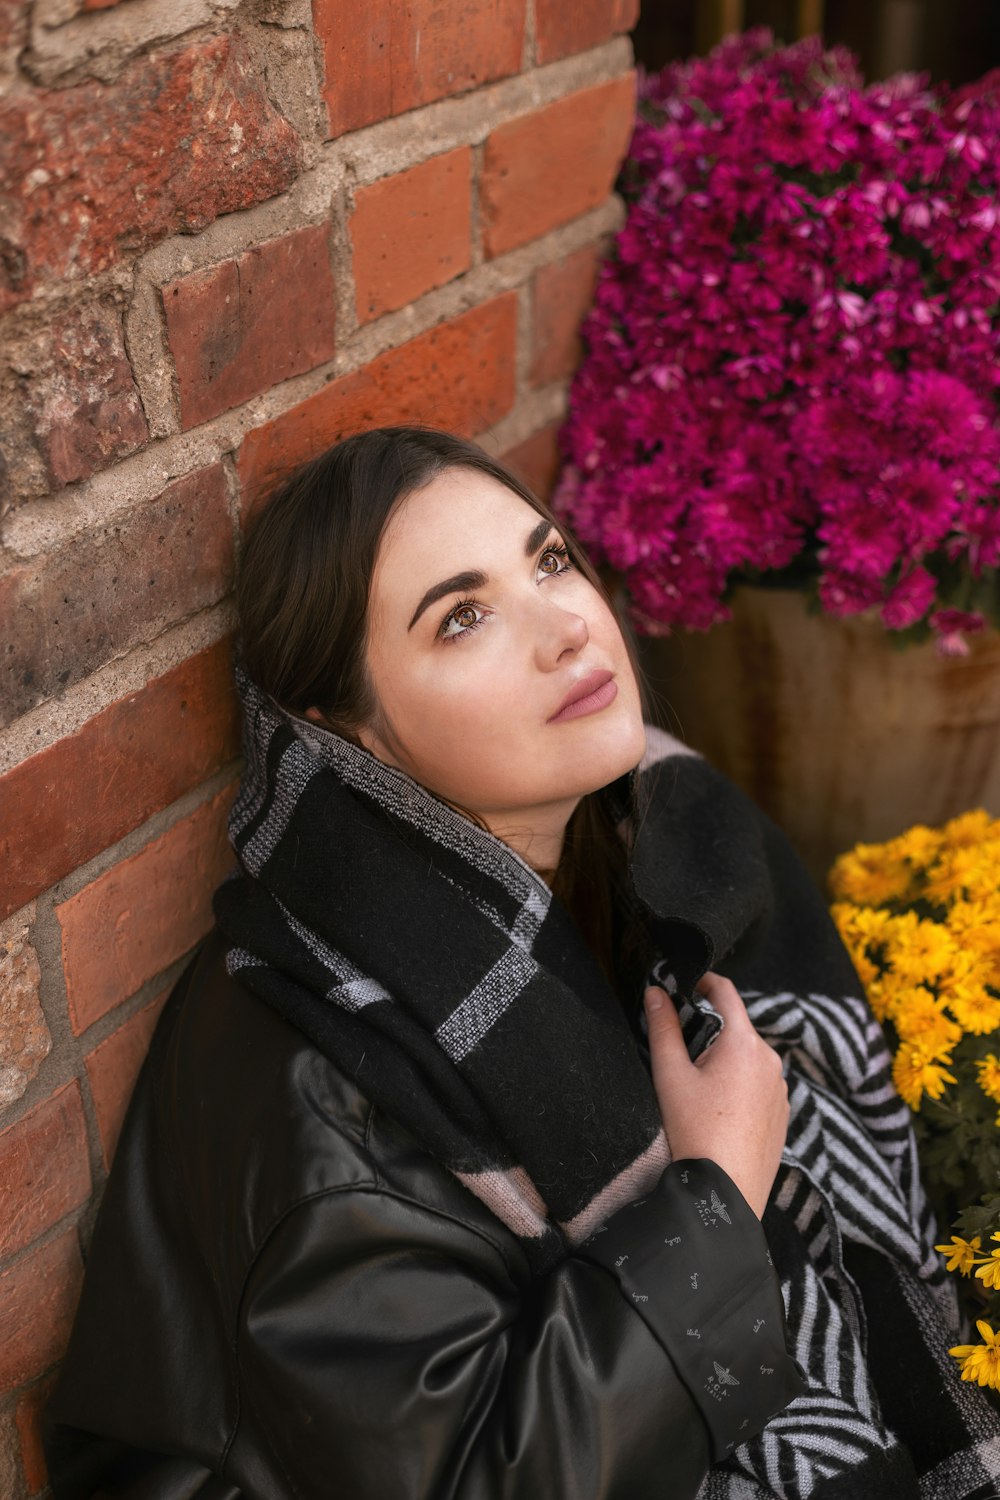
(591, 693)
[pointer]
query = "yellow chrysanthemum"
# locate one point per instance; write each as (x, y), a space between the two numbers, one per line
(988, 1076)
(961, 1254)
(918, 845)
(863, 875)
(916, 1071)
(968, 966)
(976, 924)
(955, 873)
(989, 1272)
(878, 999)
(919, 1018)
(973, 1007)
(867, 971)
(924, 951)
(981, 1362)
(968, 828)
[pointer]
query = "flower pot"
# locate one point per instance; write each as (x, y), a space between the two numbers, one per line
(836, 733)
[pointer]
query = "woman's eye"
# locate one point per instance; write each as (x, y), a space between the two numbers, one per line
(554, 560)
(463, 618)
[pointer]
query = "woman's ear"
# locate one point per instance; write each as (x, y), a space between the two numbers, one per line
(371, 740)
(313, 715)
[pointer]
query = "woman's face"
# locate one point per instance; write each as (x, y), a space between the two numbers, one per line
(480, 633)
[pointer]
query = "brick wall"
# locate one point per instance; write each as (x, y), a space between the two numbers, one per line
(230, 230)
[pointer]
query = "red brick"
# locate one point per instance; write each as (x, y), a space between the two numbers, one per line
(135, 920)
(61, 807)
(411, 232)
(562, 297)
(112, 1068)
(548, 167)
(76, 608)
(382, 57)
(38, 1297)
(562, 28)
(536, 460)
(94, 173)
(458, 376)
(82, 399)
(28, 1416)
(44, 1168)
(238, 328)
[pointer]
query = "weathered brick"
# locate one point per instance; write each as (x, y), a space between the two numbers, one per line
(411, 232)
(543, 169)
(561, 297)
(10, 1471)
(93, 173)
(562, 28)
(382, 57)
(13, 23)
(135, 920)
(76, 608)
(28, 1416)
(112, 1068)
(44, 1168)
(25, 1041)
(61, 807)
(536, 460)
(38, 1296)
(458, 376)
(237, 328)
(82, 401)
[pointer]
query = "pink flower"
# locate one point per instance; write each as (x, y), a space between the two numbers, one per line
(952, 626)
(909, 600)
(793, 358)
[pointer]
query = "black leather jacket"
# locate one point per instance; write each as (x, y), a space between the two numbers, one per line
(287, 1298)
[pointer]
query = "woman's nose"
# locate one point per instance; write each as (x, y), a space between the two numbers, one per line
(561, 634)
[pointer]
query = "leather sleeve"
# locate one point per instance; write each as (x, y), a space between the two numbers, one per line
(386, 1349)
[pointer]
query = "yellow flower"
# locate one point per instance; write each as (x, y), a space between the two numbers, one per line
(988, 1076)
(989, 1271)
(981, 1362)
(961, 1253)
(919, 1018)
(974, 1008)
(977, 925)
(968, 966)
(922, 951)
(867, 971)
(967, 828)
(918, 845)
(954, 873)
(864, 875)
(917, 1070)
(878, 999)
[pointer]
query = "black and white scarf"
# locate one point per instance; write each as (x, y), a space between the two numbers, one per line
(434, 966)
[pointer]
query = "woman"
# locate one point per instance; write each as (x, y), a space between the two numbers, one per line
(424, 1190)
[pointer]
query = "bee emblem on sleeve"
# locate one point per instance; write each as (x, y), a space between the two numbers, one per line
(718, 1207)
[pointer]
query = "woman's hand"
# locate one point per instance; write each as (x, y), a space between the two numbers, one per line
(732, 1104)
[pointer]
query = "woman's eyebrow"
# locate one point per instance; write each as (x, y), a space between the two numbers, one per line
(461, 582)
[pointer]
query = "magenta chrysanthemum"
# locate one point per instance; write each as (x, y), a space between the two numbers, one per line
(792, 361)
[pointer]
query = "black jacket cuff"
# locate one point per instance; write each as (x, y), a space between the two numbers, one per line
(693, 1261)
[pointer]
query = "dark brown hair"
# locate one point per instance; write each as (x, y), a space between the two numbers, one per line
(303, 598)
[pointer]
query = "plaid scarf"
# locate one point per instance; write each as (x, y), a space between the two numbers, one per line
(434, 966)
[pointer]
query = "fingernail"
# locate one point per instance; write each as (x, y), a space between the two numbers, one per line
(654, 999)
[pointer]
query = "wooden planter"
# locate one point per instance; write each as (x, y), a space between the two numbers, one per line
(837, 734)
